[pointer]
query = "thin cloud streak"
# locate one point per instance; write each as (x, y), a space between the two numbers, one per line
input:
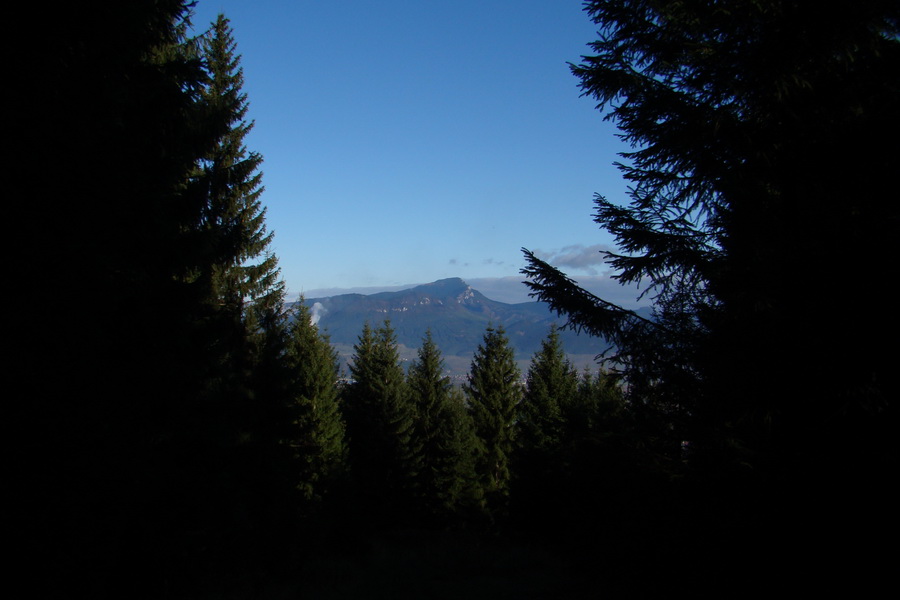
(577, 256)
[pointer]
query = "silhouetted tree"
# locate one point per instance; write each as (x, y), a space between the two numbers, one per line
(575, 437)
(319, 446)
(233, 220)
(599, 404)
(237, 268)
(745, 119)
(748, 193)
(550, 388)
(380, 422)
(454, 462)
(242, 415)
(162, 460)
(118, 91)
(443, 431)
(493, 391)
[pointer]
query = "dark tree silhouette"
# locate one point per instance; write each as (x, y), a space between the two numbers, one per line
(135, 409)
(550, 388)
(232, 222)
(121, 124)
(320, 450)
(494, 391)
(384, 456)
(443, 431)
(749, 193)
(760, 226)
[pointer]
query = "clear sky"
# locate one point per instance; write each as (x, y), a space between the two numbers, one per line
(406, 141)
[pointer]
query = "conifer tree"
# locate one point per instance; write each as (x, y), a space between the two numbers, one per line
(235, 419)
(132, 436)
(744, 119)
(493, 392)
(239, 271)
(599, 404)
(428, 386)
(380, 422)
(550, 388)
(541, 462)
(235, 272)
(230, 272)
(454, 461)
(318, 442)
(443, 432)
(428, 390)
(233, 219)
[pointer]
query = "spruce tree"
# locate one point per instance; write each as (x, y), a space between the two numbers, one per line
(541, 462)
(242, 412)
(428, 390)
(239, 271)
(454, 462)
(550, 388)
(443, 431)
(318, 444)
(380, 423)
(233, 219)
(493, 391)
(599, 405)
(122, 418)
(744, 120)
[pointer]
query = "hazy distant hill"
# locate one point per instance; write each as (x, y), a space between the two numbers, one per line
(457, 315)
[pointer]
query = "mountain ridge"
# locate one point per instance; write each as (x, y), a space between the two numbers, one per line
(456, 314)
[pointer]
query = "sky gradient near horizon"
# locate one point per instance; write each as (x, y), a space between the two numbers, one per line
(406, 141)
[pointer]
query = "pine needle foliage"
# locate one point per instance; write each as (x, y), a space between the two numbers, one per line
(318, 444)
(745, 121)
(550, 389)
(493, 393)
(233, 218)
(385, 458)
(443, 432)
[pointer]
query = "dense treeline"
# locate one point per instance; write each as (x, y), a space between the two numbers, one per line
(418, 451)
(182, 432)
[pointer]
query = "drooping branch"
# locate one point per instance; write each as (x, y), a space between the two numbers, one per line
(584, 311)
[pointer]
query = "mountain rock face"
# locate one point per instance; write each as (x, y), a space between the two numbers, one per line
(456, 314)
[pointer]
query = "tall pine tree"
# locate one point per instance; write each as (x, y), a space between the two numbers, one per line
(233, 219)
(748, 191)
(380, 422)
(236, 484)
(443, 431)
(239, 272)
(744, 120)
(318, 442)
(599, 404)
(493, 391)
(122, 417)
(550, 388)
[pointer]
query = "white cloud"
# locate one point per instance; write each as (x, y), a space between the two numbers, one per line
(512, 290)
(577, 256)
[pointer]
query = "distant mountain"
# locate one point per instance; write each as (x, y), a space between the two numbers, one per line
(455, 312)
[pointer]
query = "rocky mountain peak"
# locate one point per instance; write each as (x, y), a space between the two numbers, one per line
(455, 312)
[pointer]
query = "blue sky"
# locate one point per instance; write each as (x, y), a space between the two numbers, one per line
(406, 141)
